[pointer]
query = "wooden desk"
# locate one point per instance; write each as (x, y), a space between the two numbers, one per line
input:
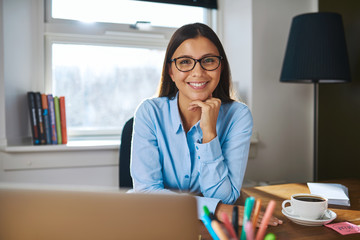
(290, 230)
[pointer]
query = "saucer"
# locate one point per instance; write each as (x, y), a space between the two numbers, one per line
(328, 217)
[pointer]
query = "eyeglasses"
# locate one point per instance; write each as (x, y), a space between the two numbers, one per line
(186, 64)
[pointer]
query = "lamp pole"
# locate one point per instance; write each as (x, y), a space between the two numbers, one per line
(316, 116)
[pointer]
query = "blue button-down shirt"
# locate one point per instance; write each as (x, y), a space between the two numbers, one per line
(165, 158)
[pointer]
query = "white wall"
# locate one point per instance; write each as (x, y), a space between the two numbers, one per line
(23, 62)
(254, 35)
(2, 87)
(236, 31)
(283, 113)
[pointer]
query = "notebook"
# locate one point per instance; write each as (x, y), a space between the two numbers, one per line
(43, 214)
(336, 194)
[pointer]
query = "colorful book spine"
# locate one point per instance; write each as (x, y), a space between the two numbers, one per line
(63, 119)
(52, 119)
(33, 120)
(46, 117)
(39, 118)
(58, 121)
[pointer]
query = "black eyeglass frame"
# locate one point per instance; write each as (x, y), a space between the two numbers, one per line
(196, 61)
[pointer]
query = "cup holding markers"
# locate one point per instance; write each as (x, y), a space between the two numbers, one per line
(307, 206)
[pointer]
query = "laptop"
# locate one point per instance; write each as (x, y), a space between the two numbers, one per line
(32, 213)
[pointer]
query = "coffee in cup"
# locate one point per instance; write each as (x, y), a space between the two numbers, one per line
(309, 206)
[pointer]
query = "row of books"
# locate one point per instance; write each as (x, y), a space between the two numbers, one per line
(48, 118)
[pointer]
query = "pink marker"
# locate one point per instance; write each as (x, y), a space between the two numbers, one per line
(228, 226)
(249, 231)
(264, 223)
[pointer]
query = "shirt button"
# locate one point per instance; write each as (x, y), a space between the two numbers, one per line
(198, 157)
(186, 176)
(197, 148)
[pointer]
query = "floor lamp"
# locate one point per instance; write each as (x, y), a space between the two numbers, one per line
(316, 53)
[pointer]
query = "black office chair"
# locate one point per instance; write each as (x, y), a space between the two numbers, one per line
(125, 180)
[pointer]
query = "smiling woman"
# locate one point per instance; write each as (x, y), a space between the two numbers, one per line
(193, 137)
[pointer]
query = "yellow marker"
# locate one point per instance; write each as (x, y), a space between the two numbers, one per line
(218, 230)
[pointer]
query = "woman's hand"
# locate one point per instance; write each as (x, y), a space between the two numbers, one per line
(228, 210)
(209, 114)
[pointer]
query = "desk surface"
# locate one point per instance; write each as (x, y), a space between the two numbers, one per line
(290, 230)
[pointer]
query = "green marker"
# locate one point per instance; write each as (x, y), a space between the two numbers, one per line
(270, 236)
(249, 204)
(206, 210)
(208, 213)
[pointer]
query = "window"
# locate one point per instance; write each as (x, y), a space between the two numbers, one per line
(103, 62)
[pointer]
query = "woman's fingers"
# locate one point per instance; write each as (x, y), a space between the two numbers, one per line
(198, 104)
(272, 222)
(208, 104)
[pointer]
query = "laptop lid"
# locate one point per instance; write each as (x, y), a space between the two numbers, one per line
(43, 214)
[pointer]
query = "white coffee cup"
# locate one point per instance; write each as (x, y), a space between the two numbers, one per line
(309, 206)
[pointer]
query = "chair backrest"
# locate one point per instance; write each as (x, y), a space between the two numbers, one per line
(125, 180)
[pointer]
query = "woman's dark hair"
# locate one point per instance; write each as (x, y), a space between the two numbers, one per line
(167, 87)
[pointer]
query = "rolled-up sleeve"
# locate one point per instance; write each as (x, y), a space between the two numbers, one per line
(222, 165)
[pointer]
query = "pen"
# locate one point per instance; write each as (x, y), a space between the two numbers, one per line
(218, 230)
(228, 225)
(235, 220)
(249, 231)
(207, 222)
(256, 213)
(264, 223)
(249, 203)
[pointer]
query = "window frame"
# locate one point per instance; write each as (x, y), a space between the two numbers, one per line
(64, 31)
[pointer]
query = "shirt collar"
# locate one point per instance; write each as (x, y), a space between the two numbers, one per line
(175, 115)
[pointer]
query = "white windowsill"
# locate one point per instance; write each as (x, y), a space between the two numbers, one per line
(78, 145)
(75, 154)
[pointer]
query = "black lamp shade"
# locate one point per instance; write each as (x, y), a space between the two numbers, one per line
(316, 51)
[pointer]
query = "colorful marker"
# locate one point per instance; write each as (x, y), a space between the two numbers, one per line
(249, 231)
(207, 222)
(207, 212)
(256, 213)
(270, 236)
(235, 219)
(228, 226)
(218, 230)
(249, 204)
(264, 223)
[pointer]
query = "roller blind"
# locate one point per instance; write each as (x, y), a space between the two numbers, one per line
(198, 3)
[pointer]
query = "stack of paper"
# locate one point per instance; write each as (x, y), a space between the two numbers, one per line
(336, 193)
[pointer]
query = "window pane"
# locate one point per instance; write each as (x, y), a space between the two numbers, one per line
(103, 85)
(128, 12)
